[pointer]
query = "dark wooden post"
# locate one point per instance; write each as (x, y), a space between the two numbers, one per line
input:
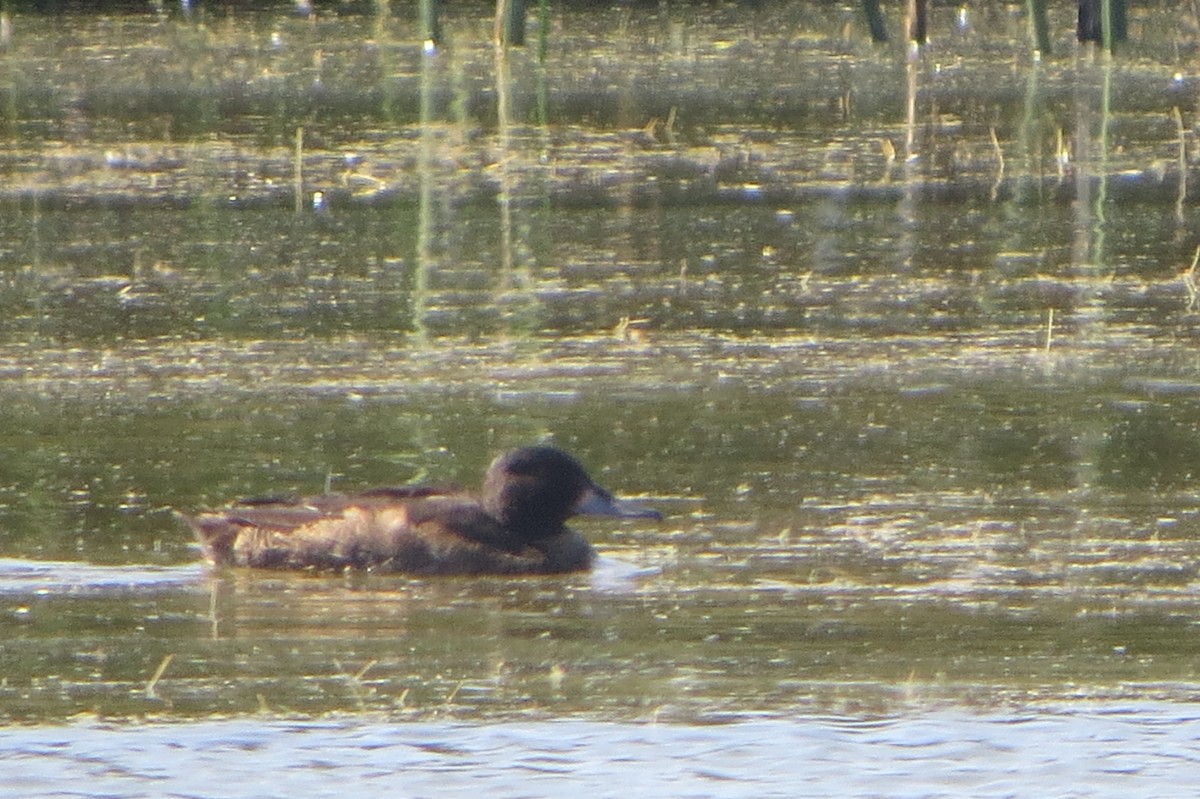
(918, 21)
(431, 20)
(1041, 25)
(875, 20)
(1091, 25)
(516, 23)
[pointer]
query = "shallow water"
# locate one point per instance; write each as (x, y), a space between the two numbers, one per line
(917, 391)
(1082, 751)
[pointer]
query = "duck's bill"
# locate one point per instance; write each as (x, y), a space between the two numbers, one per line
(598, 502)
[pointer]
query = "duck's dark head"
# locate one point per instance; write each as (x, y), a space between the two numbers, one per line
(533, 490)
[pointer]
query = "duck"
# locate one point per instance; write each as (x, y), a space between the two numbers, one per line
(514, 525)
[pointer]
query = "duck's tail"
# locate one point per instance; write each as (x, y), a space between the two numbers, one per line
(216, 535)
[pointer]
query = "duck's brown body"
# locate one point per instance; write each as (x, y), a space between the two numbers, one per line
(515, 527)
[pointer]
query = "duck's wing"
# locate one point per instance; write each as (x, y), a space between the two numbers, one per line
(285, 514)
(406, 493)
(409, 529)
(337, 502)
(329, 533)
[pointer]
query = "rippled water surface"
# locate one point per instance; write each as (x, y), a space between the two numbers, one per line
(903, 345)
(1117, 751)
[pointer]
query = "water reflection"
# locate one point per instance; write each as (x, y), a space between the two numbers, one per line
(629, 180)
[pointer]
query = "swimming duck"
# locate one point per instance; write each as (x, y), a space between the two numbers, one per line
(515, 525)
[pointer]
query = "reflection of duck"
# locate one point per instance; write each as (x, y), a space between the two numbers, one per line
(515, 526)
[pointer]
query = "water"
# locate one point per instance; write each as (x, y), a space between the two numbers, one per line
(1084, 751)
(916, 390)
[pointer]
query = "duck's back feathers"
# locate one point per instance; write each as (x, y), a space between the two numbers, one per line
(431, 536)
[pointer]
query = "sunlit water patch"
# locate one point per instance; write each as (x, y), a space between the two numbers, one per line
(916, 391)
(49, 577)
(1125, 751)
